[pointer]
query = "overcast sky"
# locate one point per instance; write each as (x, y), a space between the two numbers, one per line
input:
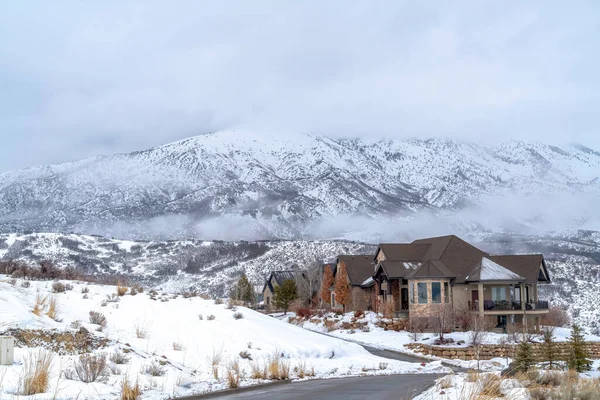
(85, 78)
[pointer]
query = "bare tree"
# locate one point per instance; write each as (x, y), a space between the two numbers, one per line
(479, 328)
(308, 281)
(442, 319)
(416, 326)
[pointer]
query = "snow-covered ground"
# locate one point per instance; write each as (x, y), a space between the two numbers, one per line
(377, 337)
(169, 323)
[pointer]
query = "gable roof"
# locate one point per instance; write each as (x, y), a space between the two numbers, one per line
(280, 277)
(487, 270)
(402, 251)
(526, 265)
(358, 267)
(398, 269)
(431, 269)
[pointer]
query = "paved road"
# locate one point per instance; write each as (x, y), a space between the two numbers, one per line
(397, 387)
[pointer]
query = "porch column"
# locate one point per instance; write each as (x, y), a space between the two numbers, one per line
(480, 296)
(523, 300)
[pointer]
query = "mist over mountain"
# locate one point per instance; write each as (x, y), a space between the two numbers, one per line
(239, 185)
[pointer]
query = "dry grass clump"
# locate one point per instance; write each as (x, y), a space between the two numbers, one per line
(214, 360)
(489, 386)
(97, 318)
(211, 317)
(52, 311)
(301, 370)
(129, 391)
(233, 374)
(91, 368)
(36, 373)
(279, 369)
(141, 330)
(155, 369)
(238, 315)
(121, 290)
(257, 371)
(40, 304)
(178, 346)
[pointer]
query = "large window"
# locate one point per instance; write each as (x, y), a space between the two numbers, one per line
(436, 292)
(332, 299)
(498, 293)
(422, 292)
(411, 292)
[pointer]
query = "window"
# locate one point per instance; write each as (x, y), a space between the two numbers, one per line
(436, 292)
(422, 292)
(332, 300)
(411, 292)
(446, 293)
(501, 321)
(498, 293)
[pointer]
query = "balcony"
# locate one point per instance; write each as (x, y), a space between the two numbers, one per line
(505, 305)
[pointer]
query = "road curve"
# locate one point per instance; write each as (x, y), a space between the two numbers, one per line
(397, 387)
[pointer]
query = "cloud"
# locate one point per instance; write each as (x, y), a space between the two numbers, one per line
(81, 79)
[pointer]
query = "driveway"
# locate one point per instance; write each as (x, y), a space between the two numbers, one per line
(397, 387)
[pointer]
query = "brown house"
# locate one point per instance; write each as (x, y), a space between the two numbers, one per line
(417, 277)
(359, 269)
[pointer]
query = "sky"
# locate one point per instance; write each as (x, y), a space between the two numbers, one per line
(87, 78)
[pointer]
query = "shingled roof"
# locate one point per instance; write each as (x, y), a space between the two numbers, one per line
(488, 270)
(280, 277)
(403, 251)
(431, 269)
(530, 266)
(359, 267)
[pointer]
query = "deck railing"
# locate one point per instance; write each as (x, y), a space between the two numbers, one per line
(505, 305)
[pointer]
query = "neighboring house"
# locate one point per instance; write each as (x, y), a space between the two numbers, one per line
(359, 269)
(276, 278)
(416, 277)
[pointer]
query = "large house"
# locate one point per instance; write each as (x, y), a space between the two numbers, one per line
(415, 278)
(276, 278)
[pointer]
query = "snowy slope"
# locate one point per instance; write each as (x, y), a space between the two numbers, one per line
(166, 321)
(243, 185)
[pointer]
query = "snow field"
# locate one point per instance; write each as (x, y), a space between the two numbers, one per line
(169, 331)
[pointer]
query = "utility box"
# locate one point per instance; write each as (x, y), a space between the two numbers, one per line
(7, 350)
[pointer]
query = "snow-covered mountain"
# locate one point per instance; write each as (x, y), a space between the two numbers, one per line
(242, 185)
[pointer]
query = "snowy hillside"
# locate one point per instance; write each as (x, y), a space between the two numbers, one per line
(573, 261)
(242, 185)
(174, 265)
(169, 345)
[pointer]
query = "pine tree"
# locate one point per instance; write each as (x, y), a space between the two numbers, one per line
(342, 287)
(284, 295)
(524, 358)
(245, 290)
(327, 282)
(579, 358)
(549, 347)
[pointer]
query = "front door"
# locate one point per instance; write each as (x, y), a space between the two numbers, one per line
(404, 295)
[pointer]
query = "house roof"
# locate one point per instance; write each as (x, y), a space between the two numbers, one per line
(450, 256)
(431, 269)
(398, 269)
(280, 277)
(487, 270)
(528, 266)
(359, 267)
(368, 282)
(403, 251)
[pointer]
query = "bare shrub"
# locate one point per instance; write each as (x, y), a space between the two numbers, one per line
(68, 286)
(53, 308)
(211, 317)
(119, 357)
(141, 330)
(200, 317)
(245, 355)
(238, 315)
(112, 298)
(58, 287)
(383, 366)
(138, 288)
(218, 301)
(129, 391)
(75, 324)
(442, 318)
(97, 318)
(91, 368)
(35, 376)
(416, 326)
(85, 290)
(304, 312)
(178, 346)
(25, 284)
(154, 369)
(556, 317)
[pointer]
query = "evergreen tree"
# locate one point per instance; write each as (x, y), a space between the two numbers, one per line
(342, 287)
(549, 347)
(524, 358)
(326, 284)
(246, 291)
(284, 295)
(579, 358)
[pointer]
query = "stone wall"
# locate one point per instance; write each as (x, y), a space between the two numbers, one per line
(492, 351)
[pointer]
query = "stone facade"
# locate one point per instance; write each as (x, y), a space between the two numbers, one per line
(488, 352)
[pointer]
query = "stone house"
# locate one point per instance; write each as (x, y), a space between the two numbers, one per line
(359, 269)
(276, 278)
(429, 275)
